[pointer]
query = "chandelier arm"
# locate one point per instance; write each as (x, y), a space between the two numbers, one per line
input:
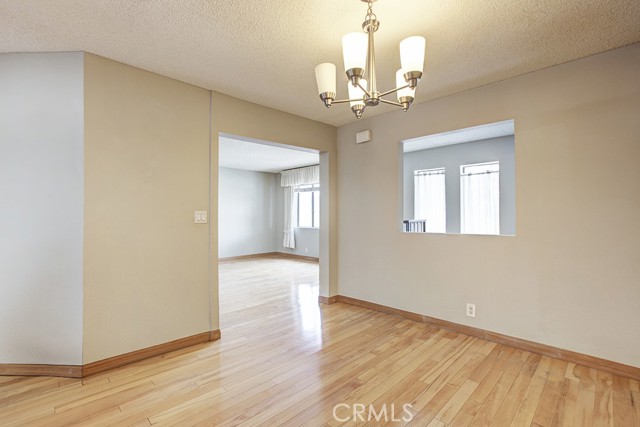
(397, 104)
(364, 90)
(393, 90)
(343, 101)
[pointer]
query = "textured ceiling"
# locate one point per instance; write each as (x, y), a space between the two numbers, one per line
(240, 154)
(266, 51)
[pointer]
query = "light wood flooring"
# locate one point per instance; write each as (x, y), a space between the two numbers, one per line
(286, 361)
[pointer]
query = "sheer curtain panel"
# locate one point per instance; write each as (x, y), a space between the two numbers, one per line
(430, 199)
(289, 180)
(480, 198)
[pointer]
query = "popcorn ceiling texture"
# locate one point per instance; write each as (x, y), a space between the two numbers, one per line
(266, 51)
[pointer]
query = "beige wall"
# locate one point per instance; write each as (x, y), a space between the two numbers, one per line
(571, 276)
(147, 151)
(146, 270)
(241, 118)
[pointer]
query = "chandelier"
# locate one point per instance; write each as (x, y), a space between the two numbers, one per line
(359, 56)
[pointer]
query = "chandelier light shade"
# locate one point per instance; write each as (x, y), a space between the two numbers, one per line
(412, 58)
(359, 62)
(326, 79)
(354, 51)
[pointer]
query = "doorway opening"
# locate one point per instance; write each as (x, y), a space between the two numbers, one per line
(269, 223)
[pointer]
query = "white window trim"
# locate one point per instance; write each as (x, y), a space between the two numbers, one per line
(314, 204)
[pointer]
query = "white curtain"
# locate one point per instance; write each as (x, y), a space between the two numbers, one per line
(480, 203)
(289, 180)
(300, 176)
(289, 217)
(430, 200)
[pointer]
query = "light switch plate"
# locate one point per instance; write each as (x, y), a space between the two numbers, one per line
(200, 217)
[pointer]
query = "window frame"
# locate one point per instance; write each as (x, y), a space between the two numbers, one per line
(315, 204)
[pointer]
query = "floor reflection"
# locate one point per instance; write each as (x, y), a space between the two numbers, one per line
(309, 311)
(261, 292)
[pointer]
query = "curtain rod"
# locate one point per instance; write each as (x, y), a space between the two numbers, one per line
(439, 172)
(478, 173)
(301, 167)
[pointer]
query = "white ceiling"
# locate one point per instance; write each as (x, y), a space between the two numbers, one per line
(263, 157)
(460, 136)
(266, 51)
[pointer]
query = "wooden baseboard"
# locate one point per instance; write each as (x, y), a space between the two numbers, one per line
(605, 365)
(269, 255)
(251, 256)
(26, 370)
(296, 256)
(82, 371)
(327, 300)
(145, 353)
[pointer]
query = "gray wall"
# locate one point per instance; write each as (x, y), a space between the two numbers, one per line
(451, 157)
(41, 208)
(247, 212)
(569, 278)
(251, 216)
(307, 239)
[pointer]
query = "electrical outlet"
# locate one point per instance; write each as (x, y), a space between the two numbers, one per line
(471, 310)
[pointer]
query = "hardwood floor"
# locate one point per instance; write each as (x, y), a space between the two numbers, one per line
(284, 360)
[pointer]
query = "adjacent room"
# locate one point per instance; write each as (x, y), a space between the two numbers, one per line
(336, 213)
(255, 217)
(268, 232)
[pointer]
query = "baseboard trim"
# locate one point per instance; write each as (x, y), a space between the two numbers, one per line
(250, 256)
(35, 370)
(327, 300)
(145, 353)
(269, 255)
(82, 371)
(605, 365)
(296, 256)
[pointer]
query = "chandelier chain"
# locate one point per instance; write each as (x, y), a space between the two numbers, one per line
(370, 15)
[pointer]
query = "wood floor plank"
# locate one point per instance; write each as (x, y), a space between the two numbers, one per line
(563, 416)
(603, 401)
(583, 416)
(531, 399)
(551, 396)
(284, 360)
(512, 401)
(622, 402)
(494, 398)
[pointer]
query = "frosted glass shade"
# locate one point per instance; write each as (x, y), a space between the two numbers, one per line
(354, 50)
(357, 93)
(400, 81)
(412, 54)
(326, 78)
